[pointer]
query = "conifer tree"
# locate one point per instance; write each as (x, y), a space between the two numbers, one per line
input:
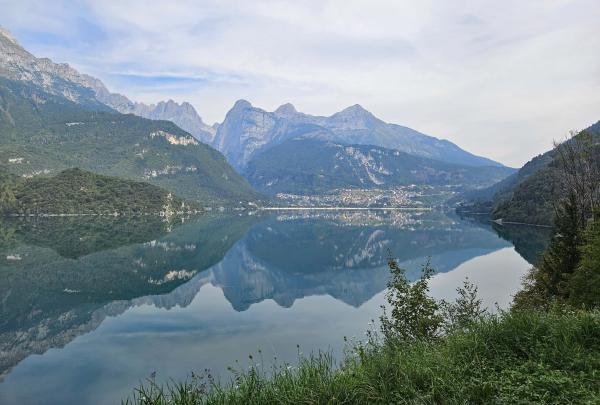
(563, 254)
(549, 280)
(584, 286)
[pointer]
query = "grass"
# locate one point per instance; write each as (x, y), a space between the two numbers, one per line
(512, 358)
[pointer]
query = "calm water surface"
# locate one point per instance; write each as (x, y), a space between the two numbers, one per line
(89, 307)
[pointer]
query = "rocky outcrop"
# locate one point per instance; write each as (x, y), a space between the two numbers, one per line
(184, 115)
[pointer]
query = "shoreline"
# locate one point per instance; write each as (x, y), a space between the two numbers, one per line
(500, 221)
(344, 208)
(114, 215)
(519, 223)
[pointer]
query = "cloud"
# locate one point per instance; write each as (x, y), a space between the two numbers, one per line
(499, 79)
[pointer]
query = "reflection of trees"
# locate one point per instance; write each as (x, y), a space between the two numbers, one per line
(529, 241)
(73, 237)
(50, 290)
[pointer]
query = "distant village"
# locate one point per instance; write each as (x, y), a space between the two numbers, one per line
(411, 196)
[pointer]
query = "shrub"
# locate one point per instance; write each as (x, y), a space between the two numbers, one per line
(413, 315)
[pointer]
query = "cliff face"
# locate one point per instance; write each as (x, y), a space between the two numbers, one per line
(184, 115)
(247, 131)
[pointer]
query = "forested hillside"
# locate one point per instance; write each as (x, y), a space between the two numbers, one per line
(305, 166)
(529, 195)
(75, 191)
(42, 134)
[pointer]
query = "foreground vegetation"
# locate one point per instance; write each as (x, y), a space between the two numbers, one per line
(513, 358)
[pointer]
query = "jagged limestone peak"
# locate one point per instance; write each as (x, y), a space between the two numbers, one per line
(286, 109)
(6, 34)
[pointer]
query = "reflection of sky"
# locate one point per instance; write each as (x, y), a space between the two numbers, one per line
(106, 363)
(497, 275)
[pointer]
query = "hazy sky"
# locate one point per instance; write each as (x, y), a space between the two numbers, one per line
(499, 78)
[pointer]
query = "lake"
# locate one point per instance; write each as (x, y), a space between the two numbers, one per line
(90, 307)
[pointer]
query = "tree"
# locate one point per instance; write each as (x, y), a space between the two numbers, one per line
(578, 162)
(562, 256)
(465, 310)
(549, 280)
(569, 270)
(584, 286)
(413, 314)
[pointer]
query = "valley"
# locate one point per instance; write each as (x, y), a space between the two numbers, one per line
(54, 118)
(174, 231)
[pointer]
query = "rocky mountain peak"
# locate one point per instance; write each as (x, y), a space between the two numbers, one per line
(55, 78)
(188, 107)
(183, 115)
(352, 118)
(183, 111)
(286, 109)
(355, 110)
(7, 35)
(169, 106)
(241, 105)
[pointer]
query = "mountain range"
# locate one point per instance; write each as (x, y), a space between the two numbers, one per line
(247, 131)
(52, 117)
(51, 120)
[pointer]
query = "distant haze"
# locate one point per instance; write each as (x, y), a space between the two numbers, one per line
(500, 79)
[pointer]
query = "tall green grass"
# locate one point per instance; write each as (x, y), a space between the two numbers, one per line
(511, 358)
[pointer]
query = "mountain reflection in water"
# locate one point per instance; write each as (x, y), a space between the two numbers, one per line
(62, 277)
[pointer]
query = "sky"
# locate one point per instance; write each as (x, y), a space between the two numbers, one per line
(501, 79)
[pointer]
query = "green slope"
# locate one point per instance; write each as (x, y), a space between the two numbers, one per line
(529, 195)
(314, 166)
(42, 133)
(75, 191)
